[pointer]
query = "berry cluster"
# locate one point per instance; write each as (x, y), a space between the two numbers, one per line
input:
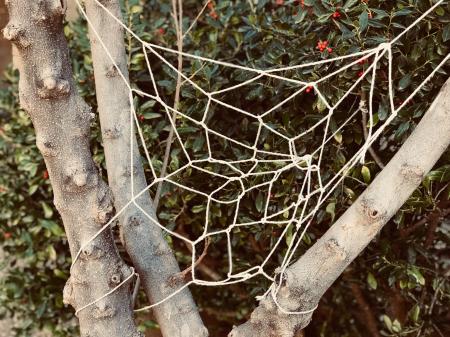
(322, 45)
(212, 11)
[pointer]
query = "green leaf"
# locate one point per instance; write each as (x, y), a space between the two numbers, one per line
(136, 9)
(396, 326)
(48, 211)
(259, 202)
(365, 172)
(440, 11)
(52, 226)
(402, 129)
(442, 174)
(289, 235)
(446, 33)
(338, 137)
(60, 274)
(349, 192)
(198, 208)
(387, 321)
(151, 115)
(416, 274)
(198, 144)
(404, 82)
(372, 281)
(320, 104)
(32, 189)
(404, 12)
(350, 4)
(415, 313)
(149, 104)
(51, 253)
(331, 207)
(363, 21)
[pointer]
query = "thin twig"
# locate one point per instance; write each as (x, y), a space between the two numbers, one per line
(196, 19)
(199, 260)
(135, 290)
(372, 152)
(195, 73)
(201, 267)
(182, 275)
(177, 8)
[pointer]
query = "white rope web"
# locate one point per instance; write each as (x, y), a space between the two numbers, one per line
(301, 212)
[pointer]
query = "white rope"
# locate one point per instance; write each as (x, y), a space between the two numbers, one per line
(310, 197)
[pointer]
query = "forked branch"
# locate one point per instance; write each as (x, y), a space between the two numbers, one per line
(143, 239)
(307, 279)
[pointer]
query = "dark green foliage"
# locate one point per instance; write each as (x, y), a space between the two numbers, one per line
(403, 275)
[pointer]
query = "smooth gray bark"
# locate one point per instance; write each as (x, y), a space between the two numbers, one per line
(62, 120)
(143, 239)
(309, 277)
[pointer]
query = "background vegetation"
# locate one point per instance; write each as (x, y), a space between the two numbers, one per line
(399, 286)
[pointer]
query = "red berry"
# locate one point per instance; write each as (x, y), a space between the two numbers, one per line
(141, 118)
(330, 50)
(45, 175)
(211, 5)
(360, 74)
(7, 235)
(279, 2)
(161, 31)
(336, 15)
(214, 15)
(308, 89)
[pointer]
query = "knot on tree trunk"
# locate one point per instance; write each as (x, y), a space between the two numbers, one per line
(104, 208)
(53, 87)
(16, 34)
(46, 146)
(50, 10)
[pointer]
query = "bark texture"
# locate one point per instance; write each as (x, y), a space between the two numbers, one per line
(61, 120)
(143, 239)
(309, 277)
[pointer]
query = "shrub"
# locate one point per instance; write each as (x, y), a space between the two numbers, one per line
(401, 277)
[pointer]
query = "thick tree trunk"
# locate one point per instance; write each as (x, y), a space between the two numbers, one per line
(61, 119)
(143, 239)
(309, 277)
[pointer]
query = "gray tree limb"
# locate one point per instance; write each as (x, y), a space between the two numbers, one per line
(143, 239)
(308, 278)
(62, 120)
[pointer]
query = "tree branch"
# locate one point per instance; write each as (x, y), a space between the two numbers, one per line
(61, 120)
(313, 273)
(143, 239)
(177, 14)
